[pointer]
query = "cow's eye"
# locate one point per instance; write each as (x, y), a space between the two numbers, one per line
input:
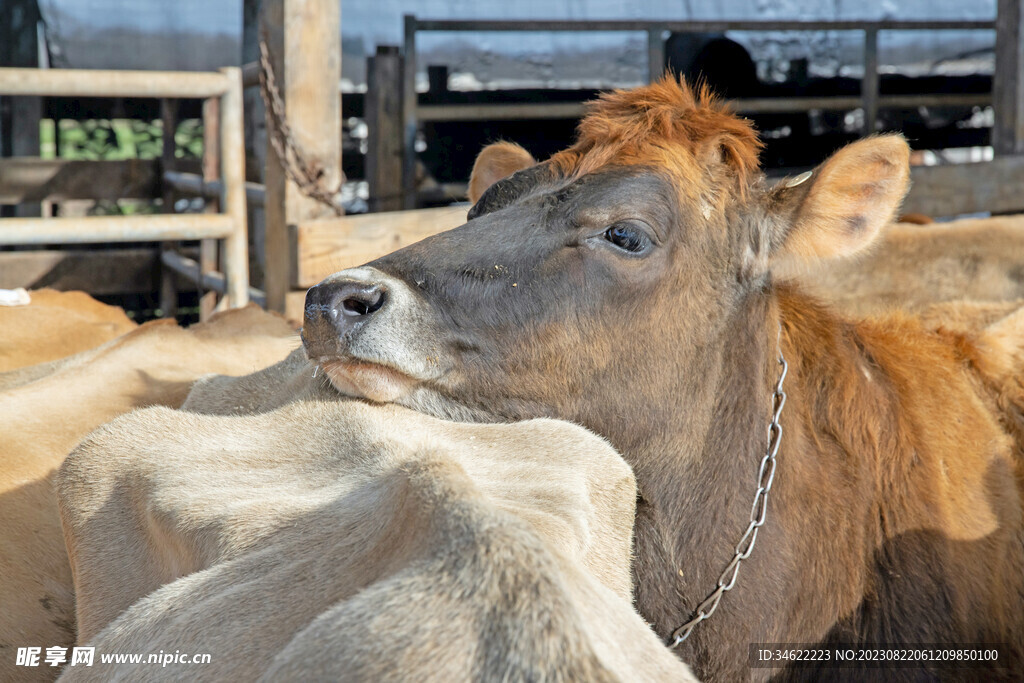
(627, 238)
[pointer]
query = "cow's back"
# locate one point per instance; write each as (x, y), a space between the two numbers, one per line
(345, 540)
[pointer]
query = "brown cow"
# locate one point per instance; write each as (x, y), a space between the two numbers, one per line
(626, 285)
(55, 325)
(44, 418)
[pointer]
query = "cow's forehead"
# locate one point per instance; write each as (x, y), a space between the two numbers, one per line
(612, 193)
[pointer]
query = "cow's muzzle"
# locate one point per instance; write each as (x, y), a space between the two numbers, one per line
(371, 334)
(343, 304)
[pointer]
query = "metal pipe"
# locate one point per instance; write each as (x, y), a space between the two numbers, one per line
(409, 113)
(250, 74)
(192, 183)
(98, 83)
(869, 84)
(236, 246)
(211, 279)
(571, 110)
(693, 26)
(95, 229)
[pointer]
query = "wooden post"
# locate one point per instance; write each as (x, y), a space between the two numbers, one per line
(870, 83)
(232, 153)
(304, 38)
(19, 116)
(1008, 84)
(255, 139)
(655, 54)
(384, 119)
(168, 279)
(211, 171)
(409, 124)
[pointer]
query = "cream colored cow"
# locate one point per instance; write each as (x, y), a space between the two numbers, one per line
(298, 538)
(915, 266)
(47, 410)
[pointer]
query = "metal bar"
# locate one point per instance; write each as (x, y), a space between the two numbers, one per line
(655, 53)
(496, 112)
(95, 229)
(209, 279)
(409, 111)
(694, 26)
(232, 145)
(571, 110)
(168, 283)
(250, 74)
(869, 84)
(935, 100)
(96, 83)
(192, 183)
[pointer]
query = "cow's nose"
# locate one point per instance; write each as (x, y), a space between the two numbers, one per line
(344, 302)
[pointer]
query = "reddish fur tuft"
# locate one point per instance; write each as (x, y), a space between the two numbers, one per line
(644, 124)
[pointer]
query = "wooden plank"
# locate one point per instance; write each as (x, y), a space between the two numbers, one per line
(294, 305)
(211, 172)
(1008, 81)
(33, 180)
(384, 119)
(327, 246)
(304, 39)
(129, 228)
(99, 272)
(99, 83)
(232, 171)
(993, 186)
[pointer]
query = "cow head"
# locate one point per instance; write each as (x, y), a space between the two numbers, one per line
(596, 286)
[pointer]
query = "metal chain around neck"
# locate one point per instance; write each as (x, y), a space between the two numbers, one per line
(765, 477)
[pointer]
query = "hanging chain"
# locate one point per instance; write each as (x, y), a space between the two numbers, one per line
(309, 177)
(765, 477)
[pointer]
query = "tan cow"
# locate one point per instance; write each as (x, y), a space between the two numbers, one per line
(914, 266)
(54, 325)
(45, 417)
(337, 540)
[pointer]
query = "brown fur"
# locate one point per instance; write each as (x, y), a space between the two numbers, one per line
(495, 162)
(633, 126)
(55, 325)
(44, 419)
(896, 512)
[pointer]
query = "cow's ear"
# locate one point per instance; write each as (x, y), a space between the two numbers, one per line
(841, 207)
(496, 161)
